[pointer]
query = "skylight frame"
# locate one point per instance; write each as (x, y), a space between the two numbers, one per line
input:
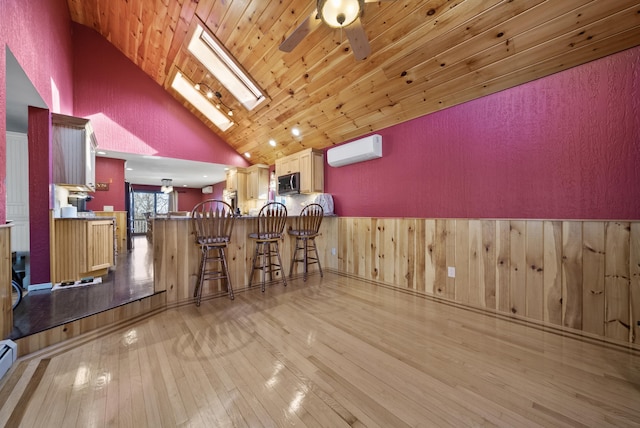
(219, 62)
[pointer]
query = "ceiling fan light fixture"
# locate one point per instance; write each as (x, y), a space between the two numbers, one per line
(167, 187)
(219, 62)
(200, 101)
(339, 13)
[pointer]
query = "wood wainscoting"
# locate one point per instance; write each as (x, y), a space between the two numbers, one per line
(582, 275)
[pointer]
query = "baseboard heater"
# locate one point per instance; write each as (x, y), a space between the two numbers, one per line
(8, 355)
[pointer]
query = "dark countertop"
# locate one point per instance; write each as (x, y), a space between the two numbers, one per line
(248, 217)
(85, 218)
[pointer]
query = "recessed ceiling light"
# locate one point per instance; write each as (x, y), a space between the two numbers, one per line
(295, 131)
(184, 185)
(129, 169)
(272, 143)
(101, 153)
(247, 154)
(205, 176)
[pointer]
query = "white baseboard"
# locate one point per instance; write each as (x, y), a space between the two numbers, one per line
(43, 286)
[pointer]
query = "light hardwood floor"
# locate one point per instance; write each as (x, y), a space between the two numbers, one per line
(331, 352)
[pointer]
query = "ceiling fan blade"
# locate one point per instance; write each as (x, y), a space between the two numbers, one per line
(305, 27)
(358, 39)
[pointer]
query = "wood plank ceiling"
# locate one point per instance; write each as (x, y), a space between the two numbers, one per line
(426, 56)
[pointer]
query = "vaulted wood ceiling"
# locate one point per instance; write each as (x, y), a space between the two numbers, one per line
(426, 56)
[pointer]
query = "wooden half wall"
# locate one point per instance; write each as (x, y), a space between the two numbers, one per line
(583, 275)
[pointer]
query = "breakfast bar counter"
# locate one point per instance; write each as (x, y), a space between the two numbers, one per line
(177, 257)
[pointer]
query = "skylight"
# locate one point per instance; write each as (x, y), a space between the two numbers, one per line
(201, 102)
(226, 70)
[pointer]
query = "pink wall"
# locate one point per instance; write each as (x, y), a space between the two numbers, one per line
(188, 198)
(218, 189)
(39, 146)
(563, 147)
(38, 33)
(109, 171)
(133, 114)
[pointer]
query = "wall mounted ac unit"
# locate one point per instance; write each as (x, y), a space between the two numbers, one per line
(356, 151)
(207, 189)
(8, 355)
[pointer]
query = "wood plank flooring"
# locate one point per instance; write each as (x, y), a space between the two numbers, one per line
(332, 352)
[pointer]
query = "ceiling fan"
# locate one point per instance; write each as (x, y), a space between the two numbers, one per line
(336, 14)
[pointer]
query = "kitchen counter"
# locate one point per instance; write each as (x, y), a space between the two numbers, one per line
(176, 256)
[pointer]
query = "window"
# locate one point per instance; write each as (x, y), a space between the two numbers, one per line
(147, 204)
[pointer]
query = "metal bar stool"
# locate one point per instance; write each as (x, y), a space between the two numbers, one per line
(212, 226)
(271, 221)
(306, 229)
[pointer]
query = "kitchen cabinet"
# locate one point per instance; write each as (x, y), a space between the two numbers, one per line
(6, 311)
(74, 152)
(288, 165)
(121, 228)
(257, 182)
(311, 171)
(236, 179)
(310, 164)
(81, 248)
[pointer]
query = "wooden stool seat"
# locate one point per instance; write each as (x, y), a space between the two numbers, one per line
(271, 221)
(212, 226)
(306, 230)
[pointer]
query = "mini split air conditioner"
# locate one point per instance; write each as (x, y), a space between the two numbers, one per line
(356, 151)
(207, 189)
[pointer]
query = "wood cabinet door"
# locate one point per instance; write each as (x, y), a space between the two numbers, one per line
(288, 165)
(100, 244)
(232, 180)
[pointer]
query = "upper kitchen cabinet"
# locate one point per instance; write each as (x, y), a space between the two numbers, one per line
(74, 152)
(236, 179)
(257, 182)
(311, 171)
(288, 165)
(310, 164)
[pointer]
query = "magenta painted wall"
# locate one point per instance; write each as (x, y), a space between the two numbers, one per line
(38, 33)
(218, 190)
(188, 197)
(563, 147)
(145, 188)
(39, 193)
(131, 113)
(109, 171)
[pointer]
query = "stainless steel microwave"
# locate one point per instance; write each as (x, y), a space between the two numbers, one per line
(289, 184)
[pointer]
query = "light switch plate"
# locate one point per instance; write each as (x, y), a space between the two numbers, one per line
(451, 272)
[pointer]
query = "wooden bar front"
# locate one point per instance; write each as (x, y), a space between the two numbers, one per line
(177, 257)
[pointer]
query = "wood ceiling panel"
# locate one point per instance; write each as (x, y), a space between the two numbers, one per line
(426, 56)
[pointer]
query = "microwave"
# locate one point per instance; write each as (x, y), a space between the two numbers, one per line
(289, 184)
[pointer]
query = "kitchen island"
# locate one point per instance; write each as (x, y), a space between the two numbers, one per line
(177, 257)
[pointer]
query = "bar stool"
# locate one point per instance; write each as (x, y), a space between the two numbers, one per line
(212, 222)
(271, 221)
(306, 229)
